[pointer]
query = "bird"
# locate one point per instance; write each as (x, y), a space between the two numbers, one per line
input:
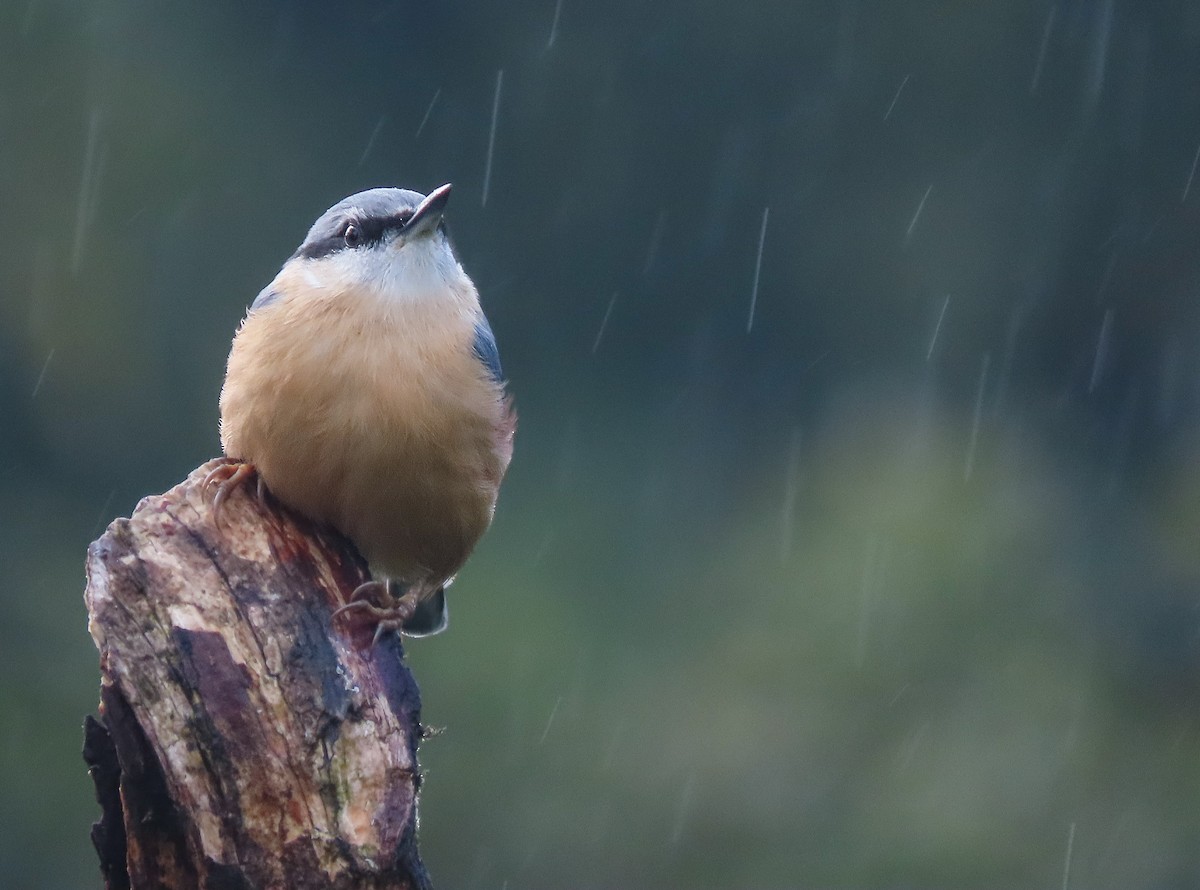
(364, 391)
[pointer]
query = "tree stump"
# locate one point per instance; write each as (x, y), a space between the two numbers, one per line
(244, 741)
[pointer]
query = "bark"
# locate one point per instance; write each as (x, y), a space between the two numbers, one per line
(244, 741)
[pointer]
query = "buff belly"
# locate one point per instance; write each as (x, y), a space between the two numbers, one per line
(392, 442)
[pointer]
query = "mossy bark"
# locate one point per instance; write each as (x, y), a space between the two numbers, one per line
(244, 739)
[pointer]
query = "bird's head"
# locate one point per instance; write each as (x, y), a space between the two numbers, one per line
(389, 242)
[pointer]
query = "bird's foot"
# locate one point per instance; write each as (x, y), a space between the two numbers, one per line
(378, 604)
(227, 477)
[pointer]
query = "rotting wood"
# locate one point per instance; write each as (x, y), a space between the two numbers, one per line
(243, 740)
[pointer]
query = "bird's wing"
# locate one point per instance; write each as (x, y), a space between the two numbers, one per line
(486, 350)
(266, 297)
(430, 617)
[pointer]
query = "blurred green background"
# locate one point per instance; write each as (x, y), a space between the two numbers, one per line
(897, 588)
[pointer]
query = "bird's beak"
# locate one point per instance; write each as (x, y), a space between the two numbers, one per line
(428, 214)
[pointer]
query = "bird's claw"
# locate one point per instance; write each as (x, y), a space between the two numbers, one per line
(227, 477)
(389, 612)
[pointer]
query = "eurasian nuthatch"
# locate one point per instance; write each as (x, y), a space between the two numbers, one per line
(364, 387)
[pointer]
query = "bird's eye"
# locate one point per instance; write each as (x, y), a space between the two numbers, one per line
(353, 235)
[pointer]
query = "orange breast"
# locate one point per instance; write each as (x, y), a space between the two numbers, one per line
(380, 423)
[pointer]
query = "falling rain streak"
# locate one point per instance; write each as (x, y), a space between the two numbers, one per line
(550, 720)
(85, 207)
(1101, 350)
(937, 328)
(681, 811)
(42, 376)
(554, 25)
(655, 479)
(604, 323)
(100, 520)
(1098, 63)
(371, 140)
(969, 466)
(762, 237)
(1187, 186)
(913, 224)
(1066, 882)
(487, 171)
(896, 97)
(1041, 59)
(428, 111)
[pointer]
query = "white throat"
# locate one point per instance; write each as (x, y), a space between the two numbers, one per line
(421, 272)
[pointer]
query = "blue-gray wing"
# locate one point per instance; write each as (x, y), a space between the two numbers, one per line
(486, 350)
(430, 617)
(266, 297)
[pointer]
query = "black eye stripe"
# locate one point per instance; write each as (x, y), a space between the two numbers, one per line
(371, 230)
(356, 232)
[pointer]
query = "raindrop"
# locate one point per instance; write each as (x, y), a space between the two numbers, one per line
(103, 514)
(550, 720)
(1041, 59)
(487, 171)
(681, 810)
(554, 25)
(1101, 350)
(86, 205)
(604, 323)
(969, 466)
(1066, 882)
(762, 237)
(371, 140)
(42, 376)
(937, 328)
(428, 111)
(1187, 186)
(896, 98)
(912, 225)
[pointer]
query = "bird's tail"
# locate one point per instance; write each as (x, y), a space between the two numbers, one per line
(430, 617)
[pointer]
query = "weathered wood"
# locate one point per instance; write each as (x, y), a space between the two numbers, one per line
(245, 741)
